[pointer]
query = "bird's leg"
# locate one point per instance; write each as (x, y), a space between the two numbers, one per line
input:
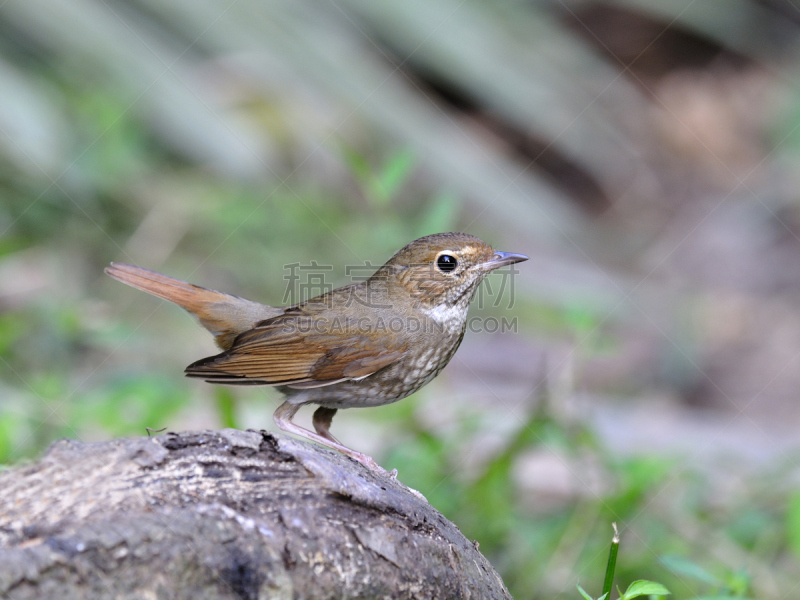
(322, 422)
(283, 419)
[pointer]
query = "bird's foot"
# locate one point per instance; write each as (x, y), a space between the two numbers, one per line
(368, 462)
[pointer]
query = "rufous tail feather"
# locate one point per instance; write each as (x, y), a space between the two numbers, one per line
(223, 315)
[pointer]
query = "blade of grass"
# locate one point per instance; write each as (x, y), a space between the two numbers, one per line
(612, 563)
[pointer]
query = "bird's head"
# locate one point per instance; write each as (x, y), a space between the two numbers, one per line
(443, 269)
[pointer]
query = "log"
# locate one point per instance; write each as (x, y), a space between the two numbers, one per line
(229, 514)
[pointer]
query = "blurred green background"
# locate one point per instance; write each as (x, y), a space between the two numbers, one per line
(644, 153)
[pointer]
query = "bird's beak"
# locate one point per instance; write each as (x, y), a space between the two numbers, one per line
(501, 259)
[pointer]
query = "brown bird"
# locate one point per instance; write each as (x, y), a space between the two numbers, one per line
(365, 344)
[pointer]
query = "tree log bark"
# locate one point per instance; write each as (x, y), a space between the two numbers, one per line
(229, 514)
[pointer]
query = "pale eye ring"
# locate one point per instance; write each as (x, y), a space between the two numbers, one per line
(446, 263)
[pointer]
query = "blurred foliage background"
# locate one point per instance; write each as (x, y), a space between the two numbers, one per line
(644, 153)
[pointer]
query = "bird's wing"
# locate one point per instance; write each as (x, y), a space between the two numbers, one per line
(299, 351)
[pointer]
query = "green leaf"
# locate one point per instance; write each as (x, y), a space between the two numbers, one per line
(440, 216)
(584, 594)
(588, 597)
(359, 167)
(394, 173)
(642, 587)
(738, 583)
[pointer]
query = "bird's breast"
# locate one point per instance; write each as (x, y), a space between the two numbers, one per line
(420, 364)
(450, 317)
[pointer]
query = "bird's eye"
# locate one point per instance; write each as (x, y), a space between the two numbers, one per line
(446, 263)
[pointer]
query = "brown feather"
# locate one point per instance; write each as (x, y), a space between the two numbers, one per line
(223, 315)
(276, 354)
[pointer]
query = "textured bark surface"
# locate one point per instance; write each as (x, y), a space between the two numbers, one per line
(227, 514)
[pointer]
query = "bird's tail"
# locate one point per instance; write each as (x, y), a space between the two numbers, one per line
(223, 315)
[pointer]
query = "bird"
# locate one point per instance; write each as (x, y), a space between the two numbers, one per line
(365, 344)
